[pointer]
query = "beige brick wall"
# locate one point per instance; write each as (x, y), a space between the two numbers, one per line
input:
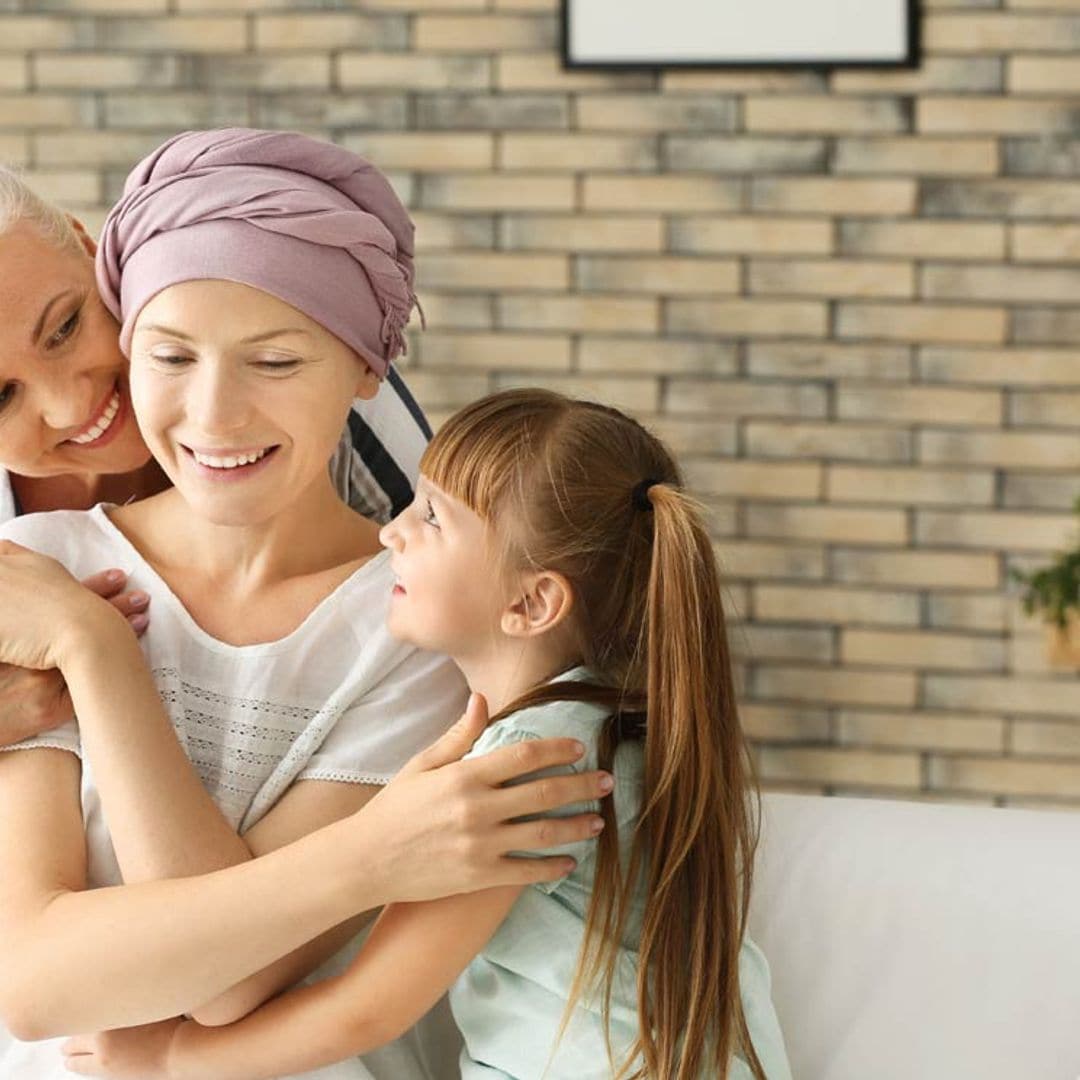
(847, 300)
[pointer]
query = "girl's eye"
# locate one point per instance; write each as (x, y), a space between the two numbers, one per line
(7, 392)
(65, 329)
(429, 517)
(171, 360)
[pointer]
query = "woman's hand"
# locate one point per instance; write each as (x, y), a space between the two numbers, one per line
(138, 1053)
(35, 701)
(446, 825)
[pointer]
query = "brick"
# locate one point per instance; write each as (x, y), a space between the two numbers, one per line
(630, 395)
(582, 232)
(579, 313)
(301, 71)
(685, 435)
(1045, 243)
(1001, 198)
(175, 32)
(919, 155)
(104, 71)
(1006, 283)
(544, 71)
(493, 270)
(831, 277)
(827, 360)
(978, 74)
(1045, 5)
(1005, 367)
(411, 71)
(1044, 75)
(744, 399)
(750, 235)
(835, 685)
(13, 73)
(503, 112)
(937, 730)
(1041, 491)
(833, 195)
(135, 110)
(917, 569)
(482, 33)
(498, 351)
(831, 523)
(1046, 408)
(1046, 326)
(665, 275)
(577, 152)
(997, 531)
(1048, 155)
(487, 192)
(1005, 776)
(759, 318)
(835, 605)
(1046, 738)
(923, 239)
(917, 404)
(644, 355)
(38, 112)
(924, 651)
(858, 768)
(74, 148)
(921, 322)
(21, 33)
(754, 479)
(784, 723)
(734, 81)
(458, 311)
(424, 151)
(968, 612)
(437, 390)
(649, 112)
(910, 486)
(745, 154)
(759, 559)
(825, 114)
(65, 187)
(993, 115)
(1006, 449)
(435, 231)
(662, 193)
(315, 111)
(803, 644)
(14, 149)
(833, 441)
(984, 33)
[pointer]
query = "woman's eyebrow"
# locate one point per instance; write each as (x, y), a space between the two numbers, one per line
(40, 325)
(254, 339)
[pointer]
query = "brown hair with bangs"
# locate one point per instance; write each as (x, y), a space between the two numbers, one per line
(555, 477)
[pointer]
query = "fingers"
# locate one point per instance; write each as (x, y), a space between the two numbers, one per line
(457, 741)
(550, 832)
(550, 793)
(533, 871)
(106, 583)
(512, 762)
(133, 605)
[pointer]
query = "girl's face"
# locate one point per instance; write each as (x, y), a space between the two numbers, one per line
(64, 404)
(449, 595)
(240, 397)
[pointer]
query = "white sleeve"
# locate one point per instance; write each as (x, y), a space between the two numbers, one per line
(403, 713)
(7, 497)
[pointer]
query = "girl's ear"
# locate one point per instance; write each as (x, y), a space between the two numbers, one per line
(545, 602)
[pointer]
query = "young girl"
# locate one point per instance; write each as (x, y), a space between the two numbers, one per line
(262, 281)
(551, 552)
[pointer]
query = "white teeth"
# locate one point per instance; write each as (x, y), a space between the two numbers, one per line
(102, 424)
(229, 462)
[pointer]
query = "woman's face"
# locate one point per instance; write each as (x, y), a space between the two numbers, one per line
(241, 398)
(64, 404)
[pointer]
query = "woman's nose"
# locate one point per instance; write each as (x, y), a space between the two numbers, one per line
(66, 402)
(216, 401)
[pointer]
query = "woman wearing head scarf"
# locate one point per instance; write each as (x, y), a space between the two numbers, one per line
(262, 282)
(67, 434)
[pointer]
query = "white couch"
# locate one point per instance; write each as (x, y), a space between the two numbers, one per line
(912, 941)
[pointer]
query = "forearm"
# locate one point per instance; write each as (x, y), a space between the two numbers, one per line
(162, 821)
(117, 957)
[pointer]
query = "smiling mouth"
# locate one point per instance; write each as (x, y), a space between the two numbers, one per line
(102, 424)
(229, 462)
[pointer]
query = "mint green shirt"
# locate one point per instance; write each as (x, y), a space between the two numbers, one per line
(509, 1002)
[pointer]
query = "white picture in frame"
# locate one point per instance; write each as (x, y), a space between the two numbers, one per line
(737, 32)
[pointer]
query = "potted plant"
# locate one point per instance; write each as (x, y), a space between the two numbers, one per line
(1054, 593)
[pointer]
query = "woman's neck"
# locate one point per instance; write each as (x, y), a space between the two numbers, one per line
(81, 491)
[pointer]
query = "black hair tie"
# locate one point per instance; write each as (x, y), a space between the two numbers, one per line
(640, 495)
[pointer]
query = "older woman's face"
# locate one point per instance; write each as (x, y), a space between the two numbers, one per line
(64, 403)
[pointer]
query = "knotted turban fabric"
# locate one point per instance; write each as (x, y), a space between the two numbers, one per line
(307, 221)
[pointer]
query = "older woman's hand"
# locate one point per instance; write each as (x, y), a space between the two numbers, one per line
(35, 701)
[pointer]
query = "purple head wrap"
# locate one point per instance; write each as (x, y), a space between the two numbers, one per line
(307, 221)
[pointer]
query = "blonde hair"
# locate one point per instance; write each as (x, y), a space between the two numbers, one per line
(557, 478)
(19, 202)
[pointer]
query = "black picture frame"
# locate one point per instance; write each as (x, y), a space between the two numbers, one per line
(912, 57)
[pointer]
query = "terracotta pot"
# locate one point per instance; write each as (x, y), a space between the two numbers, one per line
(1063, 644)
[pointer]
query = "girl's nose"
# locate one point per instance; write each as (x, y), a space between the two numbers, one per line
(390, 536)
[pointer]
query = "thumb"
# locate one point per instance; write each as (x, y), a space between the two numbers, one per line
(456, 742)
